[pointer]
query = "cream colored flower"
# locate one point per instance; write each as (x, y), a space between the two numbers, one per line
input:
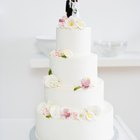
(82, 115)
(89, 115)
(51, 81)
(96, 110)
(70, 23)
(67, 53)
(80, 24)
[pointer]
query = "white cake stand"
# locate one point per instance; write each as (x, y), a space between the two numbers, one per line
(32, 134)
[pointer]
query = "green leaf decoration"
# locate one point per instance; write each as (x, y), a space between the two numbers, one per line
(49, 116)
(76, 88)
(50, 72)
(63, 56)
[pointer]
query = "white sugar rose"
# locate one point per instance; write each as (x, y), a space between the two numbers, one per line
(51, 81)
(97, 110)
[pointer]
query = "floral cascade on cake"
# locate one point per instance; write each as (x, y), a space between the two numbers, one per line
(74, 106)
(52, 111)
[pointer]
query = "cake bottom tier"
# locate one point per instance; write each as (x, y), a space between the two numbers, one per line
(63, 129)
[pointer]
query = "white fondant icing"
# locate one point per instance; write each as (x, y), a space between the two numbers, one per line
(71, 71)
(52, 129)
(77, 99)
(76, 40)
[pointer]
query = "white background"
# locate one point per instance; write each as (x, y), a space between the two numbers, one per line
(21, 88)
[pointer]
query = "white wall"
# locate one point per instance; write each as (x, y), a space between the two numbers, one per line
(21, 87)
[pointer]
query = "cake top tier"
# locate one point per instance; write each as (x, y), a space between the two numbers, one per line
(71, 20)
(72, 33)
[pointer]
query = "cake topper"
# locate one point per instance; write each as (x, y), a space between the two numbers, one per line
(72, 8)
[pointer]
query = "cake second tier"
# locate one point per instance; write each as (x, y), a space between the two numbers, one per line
(71, 71)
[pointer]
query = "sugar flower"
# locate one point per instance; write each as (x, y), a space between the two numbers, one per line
(51, 81)
(66, 113)
(55, 111)
(62, 21)
(97, 110)
(80, 24)
(62, 53)
(85, 83)
(89, 115)
(44, 110)
(67, 53)
(82, 115)
(75, 115)
(51, 110)
(71, 22)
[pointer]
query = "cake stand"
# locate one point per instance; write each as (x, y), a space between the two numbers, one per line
(33, 137)
(32, 134)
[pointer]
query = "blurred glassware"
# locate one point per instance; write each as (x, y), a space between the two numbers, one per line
(45, 44)
(109, 48)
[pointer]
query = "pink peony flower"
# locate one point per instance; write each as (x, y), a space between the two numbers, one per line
(66, 113)
(85, 83)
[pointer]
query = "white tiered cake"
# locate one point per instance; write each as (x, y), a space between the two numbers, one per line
(74, 107)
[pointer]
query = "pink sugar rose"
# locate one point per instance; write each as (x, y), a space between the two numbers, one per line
(66, 113)
(85, 83)
(75, 115)
(57, 53)
(61, 22)
(46, 112)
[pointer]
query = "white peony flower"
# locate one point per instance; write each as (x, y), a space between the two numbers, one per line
(80, 24)
(55, 111)
(51, 81)
(97, 110)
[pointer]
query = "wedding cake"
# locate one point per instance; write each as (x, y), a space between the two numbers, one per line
(74, 106)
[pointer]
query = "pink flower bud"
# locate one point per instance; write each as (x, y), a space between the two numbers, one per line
(66, 113)
(61, 20)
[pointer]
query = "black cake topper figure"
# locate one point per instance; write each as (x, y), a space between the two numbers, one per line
(72, 8)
